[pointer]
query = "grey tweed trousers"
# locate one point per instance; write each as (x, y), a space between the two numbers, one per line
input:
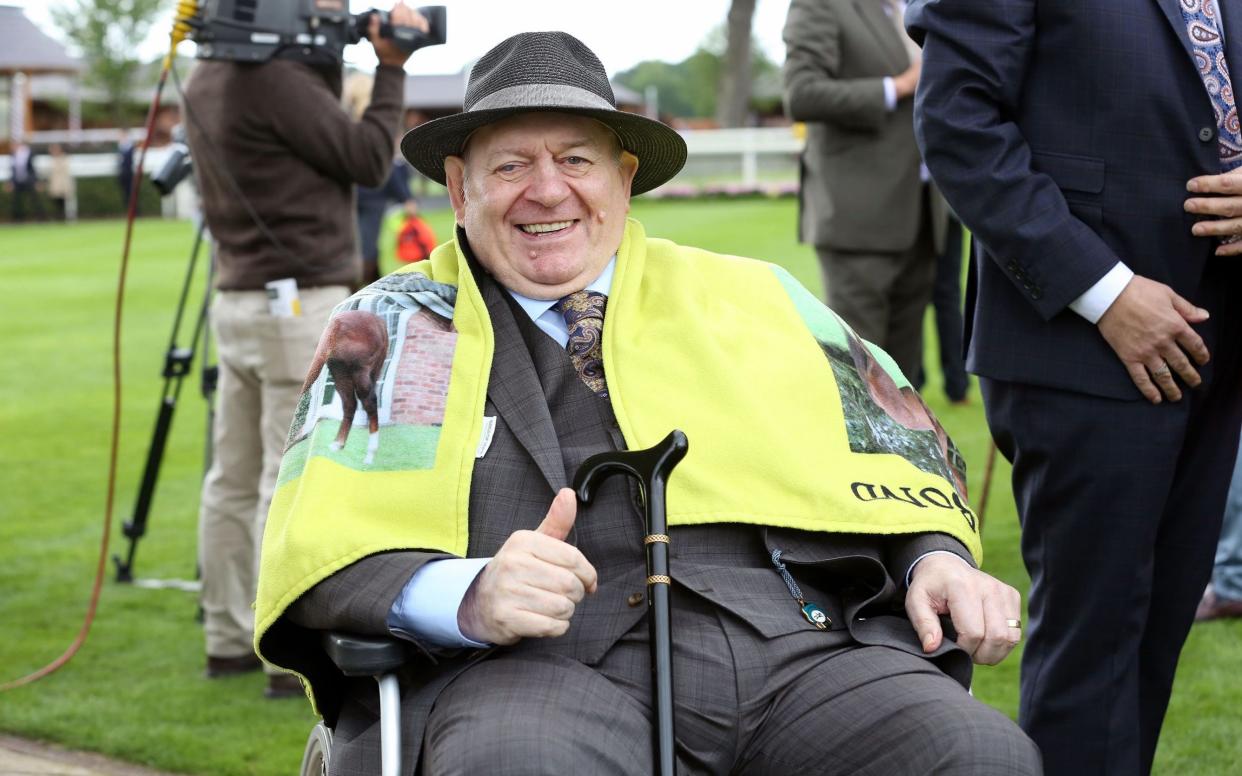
(745, 704)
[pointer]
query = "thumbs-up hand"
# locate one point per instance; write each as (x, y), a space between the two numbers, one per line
(532, 585)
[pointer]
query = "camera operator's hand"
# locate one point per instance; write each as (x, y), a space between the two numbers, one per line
(386, 49)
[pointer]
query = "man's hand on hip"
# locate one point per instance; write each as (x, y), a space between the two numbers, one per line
(1223, 204)
(386, 49)
(530, 588)
(905, 83)
(985, 611)
(1148, 327)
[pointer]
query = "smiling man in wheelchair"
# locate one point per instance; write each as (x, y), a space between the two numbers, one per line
(819, 524)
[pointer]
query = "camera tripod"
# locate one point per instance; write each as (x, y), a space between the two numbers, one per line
(177, 363)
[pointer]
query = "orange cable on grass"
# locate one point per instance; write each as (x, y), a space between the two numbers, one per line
(177, 35)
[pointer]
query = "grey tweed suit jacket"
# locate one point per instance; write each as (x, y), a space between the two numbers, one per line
(861, 188)
(547, 423)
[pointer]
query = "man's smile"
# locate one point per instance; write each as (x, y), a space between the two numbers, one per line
(547, 227)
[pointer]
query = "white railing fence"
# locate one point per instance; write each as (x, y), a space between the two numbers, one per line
(720, 160)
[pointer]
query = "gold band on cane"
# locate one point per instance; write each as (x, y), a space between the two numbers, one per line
(659, 579)
(653, 538)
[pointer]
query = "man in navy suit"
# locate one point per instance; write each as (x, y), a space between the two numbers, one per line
(1088, 146)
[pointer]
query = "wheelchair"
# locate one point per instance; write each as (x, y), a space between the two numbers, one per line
(357, 656)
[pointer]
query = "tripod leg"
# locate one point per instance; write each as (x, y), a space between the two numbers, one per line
(176, 365)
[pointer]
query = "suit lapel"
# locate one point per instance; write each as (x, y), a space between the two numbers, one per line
(515, 390)
(885, 31)
(1174, 14)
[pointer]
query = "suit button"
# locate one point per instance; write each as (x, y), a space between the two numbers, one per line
(1036, 293)
(1207, 134)
(635, 599)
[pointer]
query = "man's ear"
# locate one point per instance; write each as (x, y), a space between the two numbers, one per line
(455, 180)
(628, 164)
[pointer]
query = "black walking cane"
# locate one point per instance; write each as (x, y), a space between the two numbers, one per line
(651, 467)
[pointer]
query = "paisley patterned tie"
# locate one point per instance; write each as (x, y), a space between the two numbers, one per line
(584, 315)
(1203, 23)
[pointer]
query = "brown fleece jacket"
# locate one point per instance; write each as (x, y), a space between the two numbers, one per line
(279, 129)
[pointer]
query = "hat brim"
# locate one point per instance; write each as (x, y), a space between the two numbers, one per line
(660, 150)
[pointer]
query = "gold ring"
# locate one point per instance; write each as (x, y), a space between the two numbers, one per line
(1013, 623)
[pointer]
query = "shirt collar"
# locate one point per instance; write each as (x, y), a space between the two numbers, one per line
(537, 307)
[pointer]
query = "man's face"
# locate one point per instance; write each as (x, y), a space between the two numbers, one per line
(542, 198)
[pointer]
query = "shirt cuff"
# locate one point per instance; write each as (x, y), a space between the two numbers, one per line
(1096, 300)
(426, 609)
(910, 571)
(890, 93)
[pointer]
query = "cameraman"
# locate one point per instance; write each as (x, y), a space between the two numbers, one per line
(276, 132)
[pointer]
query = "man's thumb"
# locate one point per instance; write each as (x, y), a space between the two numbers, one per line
(560, 518)
(926, 624)
(1188, 311)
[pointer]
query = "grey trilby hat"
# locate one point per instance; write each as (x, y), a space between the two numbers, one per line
(545, 71)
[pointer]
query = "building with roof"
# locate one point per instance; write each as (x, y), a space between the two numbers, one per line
(26, 52)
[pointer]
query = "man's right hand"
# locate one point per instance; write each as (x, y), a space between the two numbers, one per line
(386, 49)
(1148, 327)
(905, 84)
(531, 586)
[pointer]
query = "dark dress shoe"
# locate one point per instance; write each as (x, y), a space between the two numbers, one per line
(218, 667)
(283, 686)
(1213, 607)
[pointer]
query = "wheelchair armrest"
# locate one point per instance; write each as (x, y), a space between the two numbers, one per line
(365, 655)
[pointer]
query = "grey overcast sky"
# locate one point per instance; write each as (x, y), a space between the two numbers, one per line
(621, 33)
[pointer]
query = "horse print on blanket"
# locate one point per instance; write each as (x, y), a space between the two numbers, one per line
(389, 348)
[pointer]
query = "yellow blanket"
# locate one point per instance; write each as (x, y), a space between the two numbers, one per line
(792, 420)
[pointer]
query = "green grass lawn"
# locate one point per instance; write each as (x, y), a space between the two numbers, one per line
(136, 690)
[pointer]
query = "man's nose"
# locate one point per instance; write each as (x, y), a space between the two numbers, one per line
(547, 184)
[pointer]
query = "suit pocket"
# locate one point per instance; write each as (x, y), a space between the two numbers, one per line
(1083, 174)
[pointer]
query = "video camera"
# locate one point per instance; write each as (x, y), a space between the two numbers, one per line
(257, 30)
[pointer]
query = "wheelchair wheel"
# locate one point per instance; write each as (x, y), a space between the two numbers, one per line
(318, 754)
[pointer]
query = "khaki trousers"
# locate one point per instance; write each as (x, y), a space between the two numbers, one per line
(263, 362)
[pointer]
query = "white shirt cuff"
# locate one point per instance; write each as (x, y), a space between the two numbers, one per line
(910, 571)
(426, 609)
(1096, 300)
(890, 93)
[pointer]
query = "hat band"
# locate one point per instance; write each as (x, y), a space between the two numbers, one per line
(542, 96)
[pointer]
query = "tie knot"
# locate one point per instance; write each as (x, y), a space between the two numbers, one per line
(580, 307)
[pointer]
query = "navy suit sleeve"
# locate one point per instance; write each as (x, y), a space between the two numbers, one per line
(976, 54)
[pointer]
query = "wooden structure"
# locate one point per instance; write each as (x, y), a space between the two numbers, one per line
(25, 52)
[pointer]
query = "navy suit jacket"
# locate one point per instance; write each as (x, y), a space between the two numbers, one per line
(1063, 132)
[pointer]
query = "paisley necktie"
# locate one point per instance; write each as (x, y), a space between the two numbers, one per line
(1203, 25)
(584, 315)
